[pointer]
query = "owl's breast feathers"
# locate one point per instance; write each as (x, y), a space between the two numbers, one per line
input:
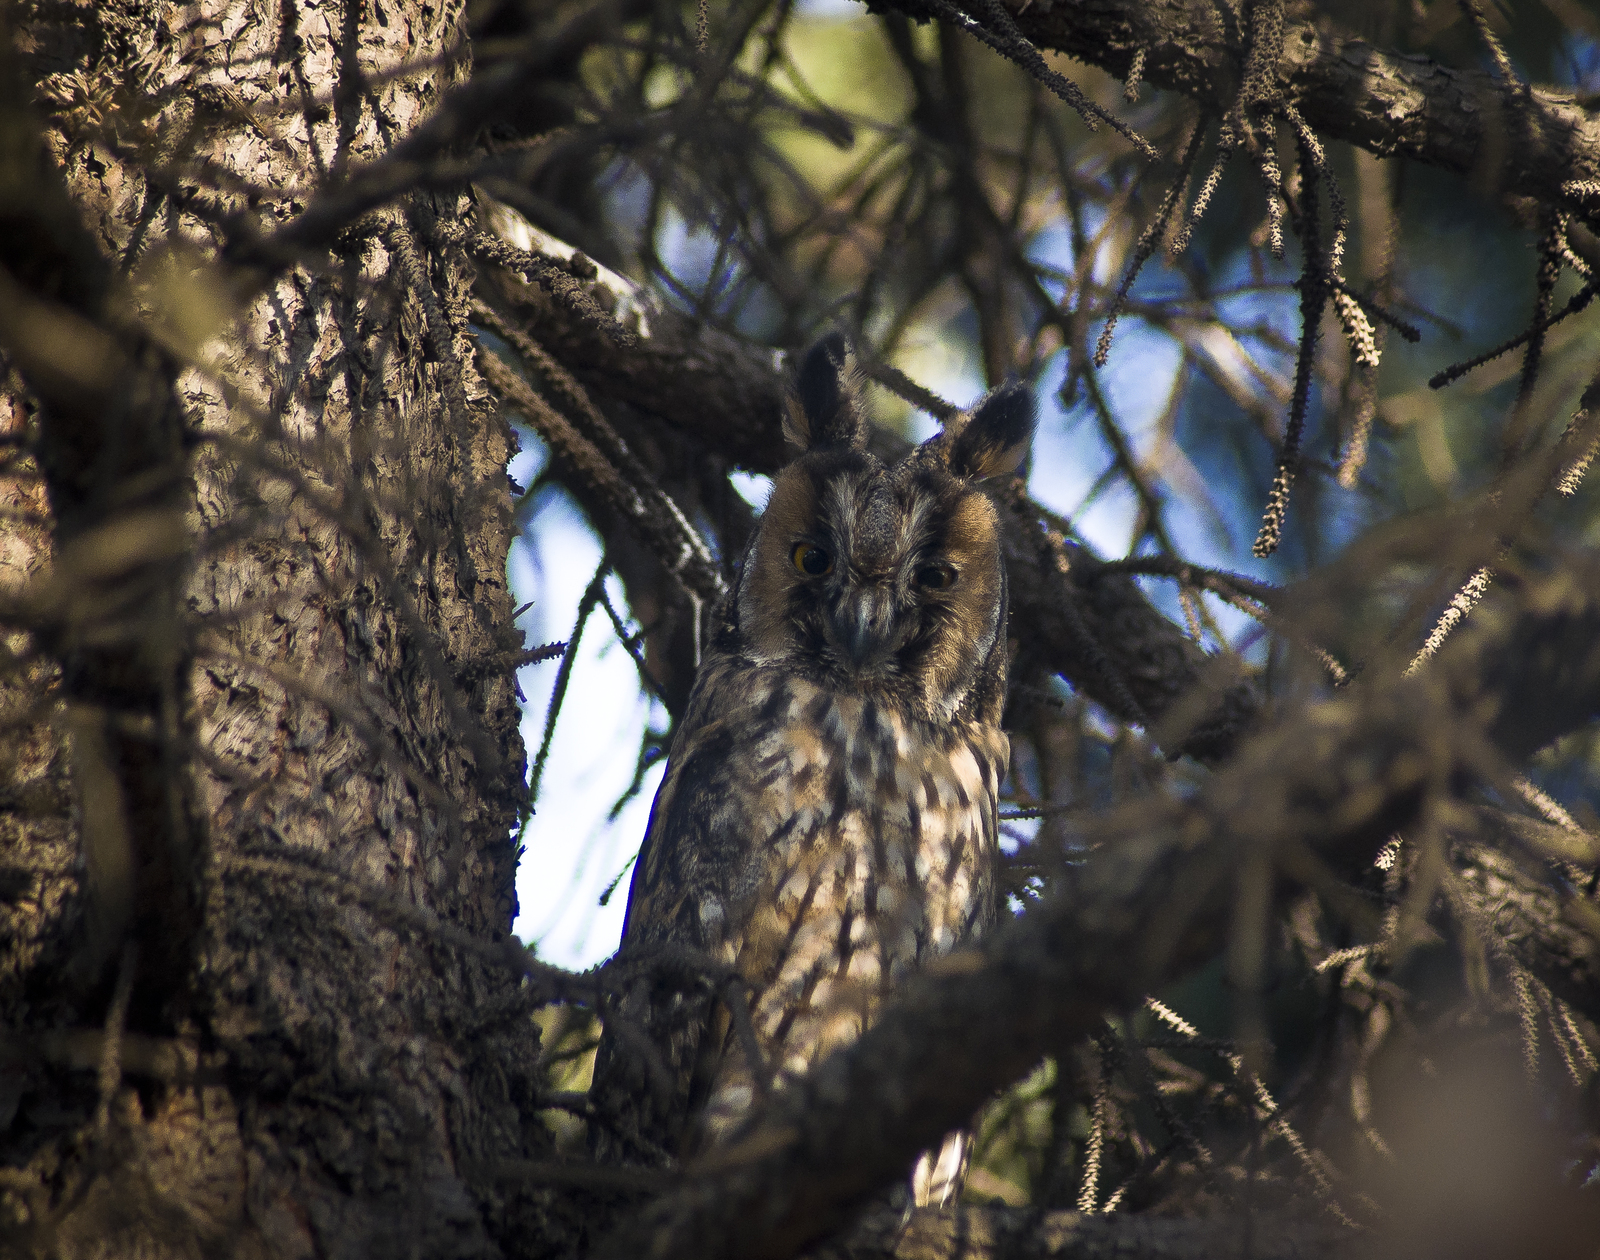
(823, 844)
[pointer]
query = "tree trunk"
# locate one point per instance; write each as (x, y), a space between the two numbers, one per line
(295, 750)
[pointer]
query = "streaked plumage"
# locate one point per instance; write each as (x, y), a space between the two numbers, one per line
(828, 818)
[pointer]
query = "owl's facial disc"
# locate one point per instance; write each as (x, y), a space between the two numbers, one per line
(883, 580)
(874, 578)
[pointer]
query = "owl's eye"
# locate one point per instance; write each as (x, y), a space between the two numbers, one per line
(811, 560)
(936, 577)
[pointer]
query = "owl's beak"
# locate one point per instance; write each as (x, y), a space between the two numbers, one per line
(864, 626)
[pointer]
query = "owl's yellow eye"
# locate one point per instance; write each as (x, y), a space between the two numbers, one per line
(936, 577)
(811, 560)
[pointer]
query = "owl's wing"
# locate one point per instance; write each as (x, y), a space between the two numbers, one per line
(698, 838)
(697, 843)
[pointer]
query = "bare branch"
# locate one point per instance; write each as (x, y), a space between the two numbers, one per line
(1347, 89)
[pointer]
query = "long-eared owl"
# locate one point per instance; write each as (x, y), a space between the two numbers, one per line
(828, 819)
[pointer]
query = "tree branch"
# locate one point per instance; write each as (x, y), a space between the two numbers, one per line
(1537, 141)
(1334, 781)
(996, 1233)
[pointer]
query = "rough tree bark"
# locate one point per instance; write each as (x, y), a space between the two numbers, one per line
(278, 670)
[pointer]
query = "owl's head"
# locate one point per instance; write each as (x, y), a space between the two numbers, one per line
(886, 579)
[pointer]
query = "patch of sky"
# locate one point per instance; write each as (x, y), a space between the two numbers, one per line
(1016, 833)
(691, 255)
(532, 455)
(753, 488)
(947, 365)
(1226, 449)
(573, 849)
(1050, 249)
(830, 10)
(1234, 463)
(1341, 515)
(626, 190)
(1577, 62)
(1262, 306)
(1070, 453)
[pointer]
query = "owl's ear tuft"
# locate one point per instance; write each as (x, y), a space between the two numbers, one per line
(996, 435)
(824, 406)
